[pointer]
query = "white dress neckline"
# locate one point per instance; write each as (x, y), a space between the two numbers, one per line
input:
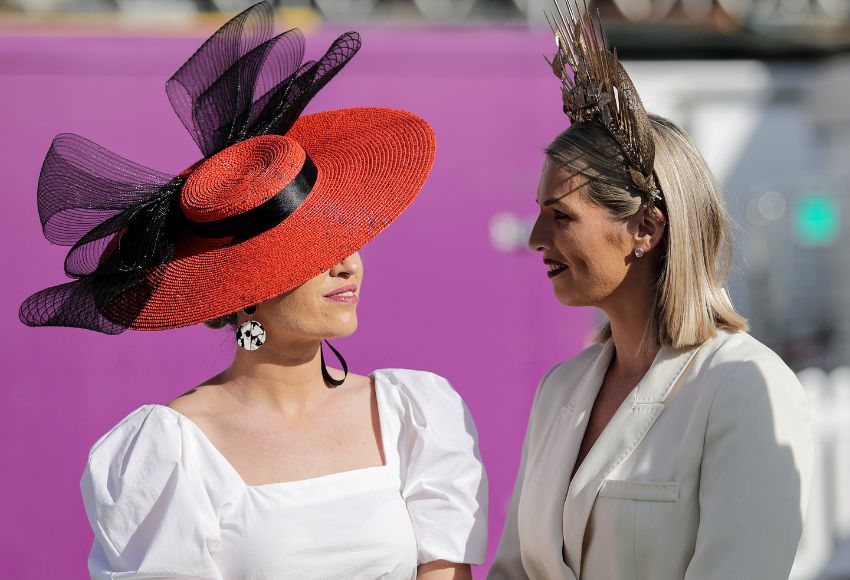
(164, 502)
(360, 472)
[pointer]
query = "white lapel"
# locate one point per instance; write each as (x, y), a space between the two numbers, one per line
(541, 511)
(618, 440)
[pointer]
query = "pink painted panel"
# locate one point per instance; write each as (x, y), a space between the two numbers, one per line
(437, 295)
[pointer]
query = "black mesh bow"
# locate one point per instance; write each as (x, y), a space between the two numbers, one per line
(122, 219)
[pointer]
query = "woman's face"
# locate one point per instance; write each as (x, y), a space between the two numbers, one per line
(323, 307)
(586, 251)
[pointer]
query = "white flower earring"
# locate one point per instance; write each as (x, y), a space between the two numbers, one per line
(250, 335)
(638, 253)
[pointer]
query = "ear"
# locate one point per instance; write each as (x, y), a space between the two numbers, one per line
(648, 228)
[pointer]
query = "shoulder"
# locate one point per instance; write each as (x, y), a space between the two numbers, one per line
(203, 400)
(425, 408)
(750, 382)
(758, 412)
(737, 358)
(146, 444)
(422, 391)
(149, 425)
(411, 380)
(558, 382)
(128, 468)
(577, 364)
(739, 347)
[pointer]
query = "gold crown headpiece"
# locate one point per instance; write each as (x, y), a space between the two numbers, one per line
(601, 90)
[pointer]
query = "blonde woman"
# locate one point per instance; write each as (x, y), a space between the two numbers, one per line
(677, 446)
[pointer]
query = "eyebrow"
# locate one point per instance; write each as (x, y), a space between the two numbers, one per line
(560, 199)
(557, 201)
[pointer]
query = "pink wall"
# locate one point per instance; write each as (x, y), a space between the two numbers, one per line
(436, 294)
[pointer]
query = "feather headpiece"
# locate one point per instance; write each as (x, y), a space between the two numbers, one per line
(600, 90)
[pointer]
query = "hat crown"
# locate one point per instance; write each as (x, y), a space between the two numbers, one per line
(241, 177)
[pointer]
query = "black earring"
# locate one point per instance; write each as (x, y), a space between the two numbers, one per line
(327, 376)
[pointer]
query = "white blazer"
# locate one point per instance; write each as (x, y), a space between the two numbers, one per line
(703, 473)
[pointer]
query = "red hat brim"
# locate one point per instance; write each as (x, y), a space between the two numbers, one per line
(371, 164)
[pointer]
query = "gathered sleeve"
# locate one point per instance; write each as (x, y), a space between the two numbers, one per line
(755, 476)
(443, 480)
(149, 511)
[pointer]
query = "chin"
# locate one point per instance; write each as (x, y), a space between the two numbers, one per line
(341, 330)
(571, 300)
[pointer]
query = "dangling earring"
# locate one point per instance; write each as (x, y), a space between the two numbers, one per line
(638, 253)
(332, 382)
(250, 335)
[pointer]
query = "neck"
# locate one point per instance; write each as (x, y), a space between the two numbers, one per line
(283, 375)
(629, 318)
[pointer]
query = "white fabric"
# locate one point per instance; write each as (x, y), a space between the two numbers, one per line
(703, 473)
(164, 503)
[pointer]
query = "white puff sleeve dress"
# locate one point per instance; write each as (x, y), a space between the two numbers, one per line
(164, 503)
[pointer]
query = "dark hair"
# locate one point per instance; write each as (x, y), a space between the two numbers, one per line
(222, 321)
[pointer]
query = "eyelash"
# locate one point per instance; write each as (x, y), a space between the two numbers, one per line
(561, 216)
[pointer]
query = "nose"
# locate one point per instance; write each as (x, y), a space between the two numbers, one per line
(348, 267)
(538, 241)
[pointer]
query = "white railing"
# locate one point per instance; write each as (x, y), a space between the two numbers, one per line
(828, 521)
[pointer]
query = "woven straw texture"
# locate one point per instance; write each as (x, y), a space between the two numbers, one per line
(149, 250)
(372, 162)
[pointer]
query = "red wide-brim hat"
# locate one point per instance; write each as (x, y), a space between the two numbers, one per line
(276, 199)
(371, 163)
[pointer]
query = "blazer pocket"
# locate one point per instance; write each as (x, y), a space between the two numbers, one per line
(640, 490)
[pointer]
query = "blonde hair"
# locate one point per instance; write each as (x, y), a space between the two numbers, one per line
(696, 251)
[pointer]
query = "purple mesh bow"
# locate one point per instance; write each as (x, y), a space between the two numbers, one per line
(121, 219)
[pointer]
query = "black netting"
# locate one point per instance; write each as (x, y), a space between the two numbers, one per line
(123, 219)
(244, 82)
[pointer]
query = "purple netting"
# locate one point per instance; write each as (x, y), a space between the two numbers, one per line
(123, 219)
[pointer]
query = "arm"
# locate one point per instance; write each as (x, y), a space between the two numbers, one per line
(755, 475)
(442, 570)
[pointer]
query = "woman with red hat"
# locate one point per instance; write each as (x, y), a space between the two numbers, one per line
(274, 468)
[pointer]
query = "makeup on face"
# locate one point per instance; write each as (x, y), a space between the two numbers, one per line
(558, 210)
(346, 294)
(554, 267)
(573, 233)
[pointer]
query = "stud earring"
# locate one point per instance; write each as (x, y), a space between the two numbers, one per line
(638, 253)
(250, 335)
